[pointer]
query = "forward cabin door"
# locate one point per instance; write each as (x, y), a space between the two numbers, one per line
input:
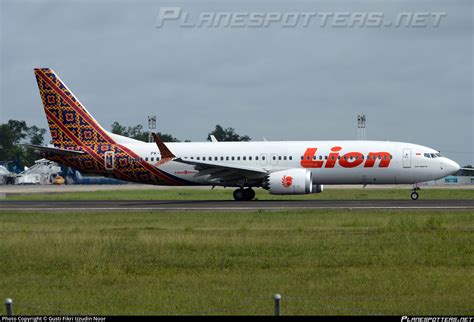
(406, 158)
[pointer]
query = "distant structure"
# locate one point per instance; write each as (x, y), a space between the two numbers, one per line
(151, 127)
(361, 120)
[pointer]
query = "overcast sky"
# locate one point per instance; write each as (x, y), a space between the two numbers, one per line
(302, 83)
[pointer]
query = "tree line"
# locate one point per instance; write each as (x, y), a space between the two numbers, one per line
(136, 132)
(14, 132)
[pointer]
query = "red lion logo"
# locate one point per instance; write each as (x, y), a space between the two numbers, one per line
(286, 181)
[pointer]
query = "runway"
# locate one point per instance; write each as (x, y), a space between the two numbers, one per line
(128, 205)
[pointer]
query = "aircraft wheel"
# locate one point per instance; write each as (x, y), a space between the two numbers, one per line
(414, 195)
(239, 195)
(249, 194)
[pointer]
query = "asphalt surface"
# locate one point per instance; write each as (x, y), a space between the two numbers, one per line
(233, 205)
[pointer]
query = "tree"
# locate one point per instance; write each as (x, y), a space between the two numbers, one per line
(167, 137)
(15, 132)
(227, 134)
(118, 129)
(136, 132)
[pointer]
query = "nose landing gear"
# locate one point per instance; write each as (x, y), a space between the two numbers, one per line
(414, 195)
(244, 194)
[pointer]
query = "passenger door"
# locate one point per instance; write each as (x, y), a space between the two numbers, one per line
(406, 158)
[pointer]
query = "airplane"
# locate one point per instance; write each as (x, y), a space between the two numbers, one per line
(281, 167)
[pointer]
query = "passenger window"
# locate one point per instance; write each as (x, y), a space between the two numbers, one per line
(222, 158)
(263, 158)
(146, 159)
(291, 157)
(227, 158)
(250, 158)
(256, 158)
(244, 158)
(301, 157)
(152, 159)
(197, 158)
(233, 158)
(284, 158)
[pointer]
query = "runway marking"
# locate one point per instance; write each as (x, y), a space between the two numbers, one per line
(233, 208)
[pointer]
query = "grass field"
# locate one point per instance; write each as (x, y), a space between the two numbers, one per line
(261, 194)
(322, 262)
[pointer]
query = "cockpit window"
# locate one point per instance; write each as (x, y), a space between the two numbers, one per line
(438, 155)
(433, 155)
(427, 155)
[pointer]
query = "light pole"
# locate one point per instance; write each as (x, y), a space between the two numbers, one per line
(151, 127)
(361, 121)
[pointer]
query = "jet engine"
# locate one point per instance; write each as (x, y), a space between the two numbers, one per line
(289, 182)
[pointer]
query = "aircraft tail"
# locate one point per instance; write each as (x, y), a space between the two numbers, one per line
(69, 122)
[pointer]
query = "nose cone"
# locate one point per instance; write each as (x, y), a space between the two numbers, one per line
(452, 167)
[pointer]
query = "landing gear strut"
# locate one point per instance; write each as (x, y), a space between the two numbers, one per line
(244, 194)
(414, 195)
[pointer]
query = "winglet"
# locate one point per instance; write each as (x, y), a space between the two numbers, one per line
(164, 151)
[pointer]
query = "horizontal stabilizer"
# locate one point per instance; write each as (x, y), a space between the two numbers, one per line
(53, 150)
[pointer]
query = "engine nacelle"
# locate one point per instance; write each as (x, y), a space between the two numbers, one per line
(289, 182)
(317, 188)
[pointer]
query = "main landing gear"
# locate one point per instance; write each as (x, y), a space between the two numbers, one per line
(244, 194)
(414, 195)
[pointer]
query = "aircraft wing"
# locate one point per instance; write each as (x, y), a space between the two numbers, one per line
(53, 150)
(218, 172)
(222, 173)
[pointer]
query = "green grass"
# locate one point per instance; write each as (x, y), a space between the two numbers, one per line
(226, 194)
(322, 262)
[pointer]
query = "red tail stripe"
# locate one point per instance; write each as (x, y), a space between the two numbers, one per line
(150, 167)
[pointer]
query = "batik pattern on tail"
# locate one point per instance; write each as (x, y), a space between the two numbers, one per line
(72, 127)
(68, 120)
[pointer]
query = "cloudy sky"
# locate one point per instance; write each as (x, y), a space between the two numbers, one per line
(302, 83)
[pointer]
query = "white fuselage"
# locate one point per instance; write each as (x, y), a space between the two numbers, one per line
(407, 163)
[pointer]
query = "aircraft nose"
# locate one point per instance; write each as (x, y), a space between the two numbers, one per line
(452, 166)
